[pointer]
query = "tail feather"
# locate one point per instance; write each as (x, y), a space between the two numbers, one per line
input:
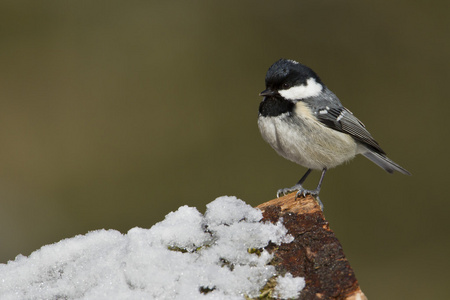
(384, 162)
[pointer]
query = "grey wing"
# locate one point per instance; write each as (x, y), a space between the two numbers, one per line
(343, 120)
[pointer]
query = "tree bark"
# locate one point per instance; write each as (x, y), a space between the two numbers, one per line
(315, 253)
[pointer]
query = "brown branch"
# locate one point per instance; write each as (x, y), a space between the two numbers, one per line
(315, 253)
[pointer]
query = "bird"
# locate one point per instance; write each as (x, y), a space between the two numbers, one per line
(305, 122)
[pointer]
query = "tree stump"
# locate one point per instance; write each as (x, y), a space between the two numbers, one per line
(315, 253)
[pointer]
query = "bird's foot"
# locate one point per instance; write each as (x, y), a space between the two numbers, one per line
(282, 192)
(301, 192)
(304, 192)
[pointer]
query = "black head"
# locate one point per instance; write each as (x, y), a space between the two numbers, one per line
(285, 73)
(287, 82)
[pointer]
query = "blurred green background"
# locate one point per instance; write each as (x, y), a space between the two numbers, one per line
(114, 113)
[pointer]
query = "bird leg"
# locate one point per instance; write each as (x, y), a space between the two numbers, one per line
(302, 191)
(297, 187)
(314, 192)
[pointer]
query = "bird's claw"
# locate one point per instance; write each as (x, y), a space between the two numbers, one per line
(301, 192)
(314, 193)
(282, 192)
(304, 192)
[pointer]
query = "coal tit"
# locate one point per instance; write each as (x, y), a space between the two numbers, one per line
(306, 123)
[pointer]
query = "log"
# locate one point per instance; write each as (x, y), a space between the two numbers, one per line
(315, 253)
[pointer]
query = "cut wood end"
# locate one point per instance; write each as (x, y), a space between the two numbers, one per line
(315, 253)
(289, 202)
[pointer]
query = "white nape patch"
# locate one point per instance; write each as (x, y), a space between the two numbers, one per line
(293, 61)
(311, 89)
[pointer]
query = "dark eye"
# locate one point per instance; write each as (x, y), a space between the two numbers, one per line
(285, 85)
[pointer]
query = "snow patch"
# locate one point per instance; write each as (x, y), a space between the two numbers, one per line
(188, 255)
(289, 286)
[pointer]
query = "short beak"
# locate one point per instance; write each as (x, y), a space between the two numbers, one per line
(267, 92)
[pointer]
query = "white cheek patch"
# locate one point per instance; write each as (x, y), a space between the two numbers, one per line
(311, 89)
